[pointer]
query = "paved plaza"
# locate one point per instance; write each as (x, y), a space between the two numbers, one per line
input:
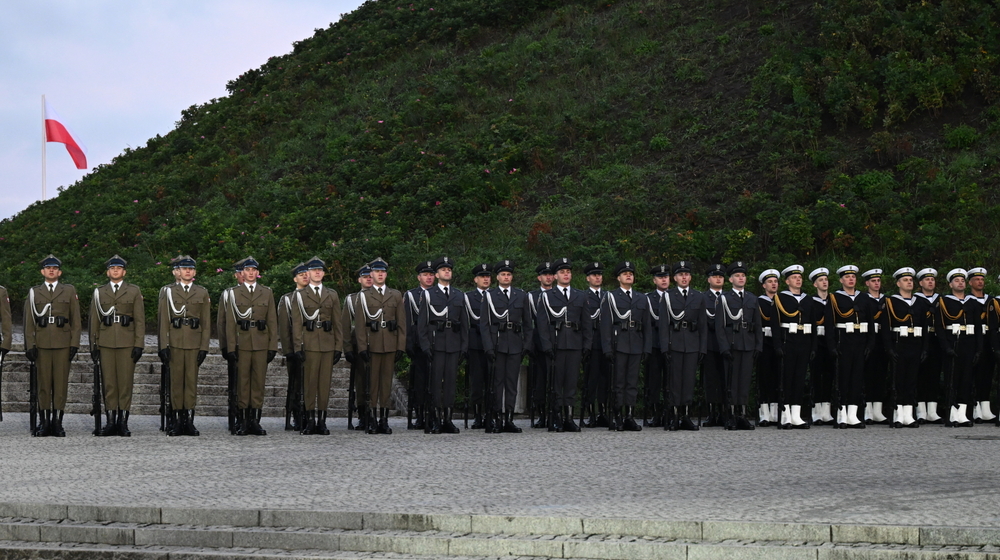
(928, 476)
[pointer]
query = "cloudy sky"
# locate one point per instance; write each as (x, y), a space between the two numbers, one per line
(119, 72)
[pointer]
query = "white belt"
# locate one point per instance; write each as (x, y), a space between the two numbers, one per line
(797, 328)
(957, 329)
(853, 327)
(767, 331)
(821, 330)
(904, 332)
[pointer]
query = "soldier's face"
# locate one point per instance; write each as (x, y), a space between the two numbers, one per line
(738, 280)
(626, 279)
(51, 273)
(794, 281)
(662, 283)
(426, 279)
(443, 274)
(905, 283)
(177, 274)
(505, 278)
(378, 277)
(977, 283)
(483, 281)
(238, 275)
(822, 283)
(595, 279)
(716, 282)
(250, 274)
(116, 273)
(683, 279)
(316, 275)
(771, 286)
(365, 281)
(957, 284)
(928, 284)
(187, 273)
(849, 281)
(302, 279)
(564, 276)
(546, 279)
(874, 285)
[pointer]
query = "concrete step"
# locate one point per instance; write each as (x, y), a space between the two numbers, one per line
(147, 531)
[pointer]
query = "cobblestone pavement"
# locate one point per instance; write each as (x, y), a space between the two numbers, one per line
(929, 476)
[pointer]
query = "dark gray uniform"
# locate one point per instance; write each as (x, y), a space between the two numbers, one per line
(566, 333)
(444, 339)
(507, 334)
(684, 338)
(626, 336)
(740, 337)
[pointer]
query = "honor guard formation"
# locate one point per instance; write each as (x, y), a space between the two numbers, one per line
(848, 357)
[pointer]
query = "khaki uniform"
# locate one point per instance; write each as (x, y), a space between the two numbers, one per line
(53, 342)
(251, 331)
(117, 341)
(382, 337)
(5, 324)
(193, 309)
(316, 329)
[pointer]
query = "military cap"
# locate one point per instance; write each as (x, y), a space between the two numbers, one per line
(505, 265)
(955, 272)
(847, 269)
(443, 262)
(365, 270)
(315, 263)
(425, 266)
(738, 266)
(625, 266)
(115, 261)
(905, 271)
(793, 269)
(871, 273)
(544, 268)
(682, 266)
(250, 262)
(184, 261)
(926, 272)
(299, 269)
(481, 270)
(978, 271)
(563, 263)
(769, 273)
(51, 260)
(238, 265)
(716, 270)
(378, 263)
(660, 270)
(819, 273)
(593, 268)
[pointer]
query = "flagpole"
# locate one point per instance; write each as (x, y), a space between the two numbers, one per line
(43, 146)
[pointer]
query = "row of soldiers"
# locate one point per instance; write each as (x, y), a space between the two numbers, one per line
(852, 350)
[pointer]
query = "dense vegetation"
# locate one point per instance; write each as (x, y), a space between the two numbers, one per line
(773, 131)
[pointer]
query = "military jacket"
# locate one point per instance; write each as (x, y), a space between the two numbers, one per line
(184, 317)
(6, 327)
(413, 300)
(380, 321)
(285, 304)
(117, 319)
(441, 325)
(848, 318)
(42, 322)
(506, 324)
(653, 299)
(316, 320)
(347, 323)
(793, 321)
(683, 323)
(711, 310)
(958, 319)
(903, 320)
(253, 319)
(474, 307)
(594, 300)
(738, 323)
(626, 325)
(564, 324)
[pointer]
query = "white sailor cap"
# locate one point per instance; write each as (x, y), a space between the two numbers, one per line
(793, 269)
(905, 271)
(818, 273)
(769, 273)
(956, 272)
(872, 273)
(978, 271)
(847, 269)
(925, 272)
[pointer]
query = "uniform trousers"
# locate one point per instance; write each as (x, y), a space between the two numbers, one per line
(984, 374)
(419, 369)
(821, 373)
(851, 365)
(317, 374)
(539, 365)
(653, 386)
(713, 376)
(444, 371)
(794, 367)
(876, 367)
(684, 368)
(767, 374)
(383, 366)
(506, 371)
(567, 374)
(475, 370)
(626, 378)
(929, 380)
(906, 370)
(958, 374)
(598, 378)
(739, 377)
(53, 378)
(251, 368)
(183, 378)
(117, 371)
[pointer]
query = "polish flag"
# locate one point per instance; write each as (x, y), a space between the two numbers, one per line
(57, 131)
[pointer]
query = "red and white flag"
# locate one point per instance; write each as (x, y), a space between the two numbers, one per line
(57, 131)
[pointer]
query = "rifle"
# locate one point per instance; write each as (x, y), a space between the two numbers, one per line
(893, 371)
(33, 397)
(164, 396)
(290, 391)
(2, 355)
(531, 379)
(468, 390)
(300, 390)
(231, 394)
(95, 410)
(612, 392)
(370, 425)
(728, 409)
(352, 405)
(781, 386)
(550, 387)
(491, 375)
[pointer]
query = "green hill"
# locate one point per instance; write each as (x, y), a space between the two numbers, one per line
(769, 131)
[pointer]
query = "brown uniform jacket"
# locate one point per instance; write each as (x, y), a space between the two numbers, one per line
(5, 324)
(261, 307)
(66, 304)
(194, 304)
(385, 339)
(127, 301)
(319, 339)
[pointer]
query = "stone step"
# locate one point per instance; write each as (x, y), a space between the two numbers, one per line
(121, 531)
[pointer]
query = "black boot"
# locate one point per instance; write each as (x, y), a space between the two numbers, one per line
(508, 423)
(321, 428)
(591, 421)
(685, 423)
(713, 417)
(418, 420)
(742, 422)
(447, 425)
(111, 426)
(542, 421)
(288, 420)
(555, 422)
(434, 420)
(477, 422)
(179, 419)
(671, 421)
(42, 428)
(123, 424)
(383, 423)
(629, 423)
(568, 424)
(253, 425)
(242, 422)
(656, 416)
(603, 420)
(371, 422)
(614, 420)
(57, 427)
(363, 419)
(309, 423)
(189, 429)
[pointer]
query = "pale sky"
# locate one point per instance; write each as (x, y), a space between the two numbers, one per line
(120, 72)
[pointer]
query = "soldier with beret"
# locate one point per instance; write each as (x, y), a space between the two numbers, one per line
(419, 366)
(293, 358)
(902, 330)
(876, 363)
(626, 337)
(849, 338)
(984, 368)
(117, 338)
(597, 369)
(185, 313)
(821, 366)
(713, 369)
(656, 368)
(316, 332)
(793, 326)
(476, 365)
(538, 366)
(684, 342)
(960, 334)
(444, 340)
(51, 340)
(740, 339)
(929, 392)
(349, 331)
(381, 342)
(566, 334)
(767, 363)
(507, 335)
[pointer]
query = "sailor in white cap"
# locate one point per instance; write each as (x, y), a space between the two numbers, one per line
(821, 366)
(902, 328)
(794, 344)
(876, 364)
(849, 337)
(983, 369)
(929, 392)
(961, 337)
(767, 363)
